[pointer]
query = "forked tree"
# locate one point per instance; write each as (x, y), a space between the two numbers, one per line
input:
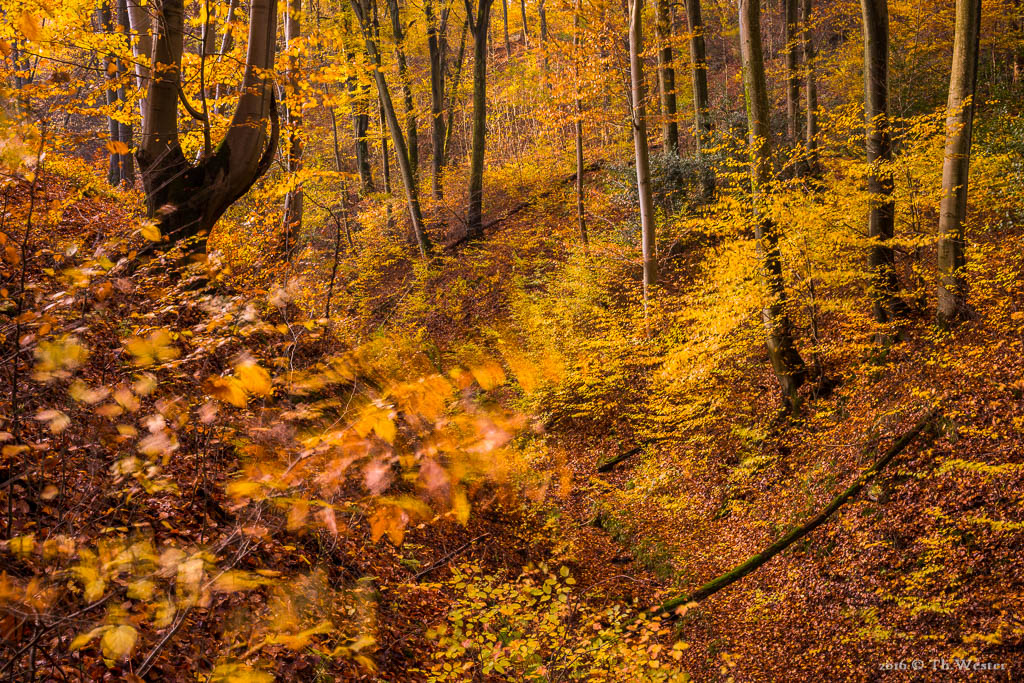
(186, 198)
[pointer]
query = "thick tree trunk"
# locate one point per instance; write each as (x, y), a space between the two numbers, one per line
(881, 214)
(436, 45)
(291, 222)
(666, 79)
(643, 166)
(786, 362)
(412, 135)
(792, 72)
(810, 91)
(397, 137)
(952, 290)
(698, 57)
(188, 199)
(142, 47)
(474, 223)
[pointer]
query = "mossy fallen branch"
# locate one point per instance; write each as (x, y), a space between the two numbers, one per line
(738, 572)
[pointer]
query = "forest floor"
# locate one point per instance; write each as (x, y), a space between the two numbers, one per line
(925, 566)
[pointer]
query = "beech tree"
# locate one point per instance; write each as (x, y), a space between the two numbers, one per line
(187, 199)
(810, 89)
(952, 290)
(885, 304)
(666, 78)
(364, 14)
(479, 28)
(437, 48)
(699, 61)
(786, 361)
(792, 71)
(643, 165)
(292, 219)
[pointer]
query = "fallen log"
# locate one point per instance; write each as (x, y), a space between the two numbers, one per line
(718, 583)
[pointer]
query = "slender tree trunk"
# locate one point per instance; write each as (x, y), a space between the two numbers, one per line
(698, 57)
(522, 13)
(227, 43)
(188, 199)
(952, 290)
(881, 215)
(293, 200)
(792, 72)
(110, 92)
(810, 91)
(436, 48)
(666, 79)
(788, 366)
(412, 135)
(542, 16)
(643, 166)
(508, 41)
(142, 46)
(388, 108)
(474, 223)
(125, 133)
(456, 82)
(580, 213)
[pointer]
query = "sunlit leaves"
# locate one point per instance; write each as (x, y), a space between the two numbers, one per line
(154, 348)
(118, 642)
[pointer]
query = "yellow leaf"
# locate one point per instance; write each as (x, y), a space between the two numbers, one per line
(255, 379)
(5, 48)
(460, 506)
(116, 146)
(236, 580)
(83, 639)
(29, 26)
(118, 642)
(22, 545)
(228, 390)
(141, 590)
(150, 231)
(390, 520)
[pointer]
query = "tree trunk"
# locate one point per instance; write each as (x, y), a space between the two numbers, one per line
(542, 16)
(401, 151)
(456, 82)
(792, 72)
(666, 79)
(293, 200)
(580, 214)
(881, 215)
(142, 47)
(786, 362)
(643, 166)
(227, 43)
(188, 199)
(125, 133)
(698, 57)
(810, 91)
(952, 290)
(436, 45)
(508, 41)
(522, 12)
(412, 135)
(474, 223)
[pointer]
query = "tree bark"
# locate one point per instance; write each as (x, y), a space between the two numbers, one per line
(643, 166)
(881, 214)
(188, 199)
(125, 130)
(436, 48)
(388, 109)
(293, 200)
(810, 91)
(580, 213)
(666, 79)
(792, 72)
(508, 41)
(460, 60)
(474, 223)
(786, 362)
(412, 135)
(522, 12)
(952, 290)
(698, 57)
